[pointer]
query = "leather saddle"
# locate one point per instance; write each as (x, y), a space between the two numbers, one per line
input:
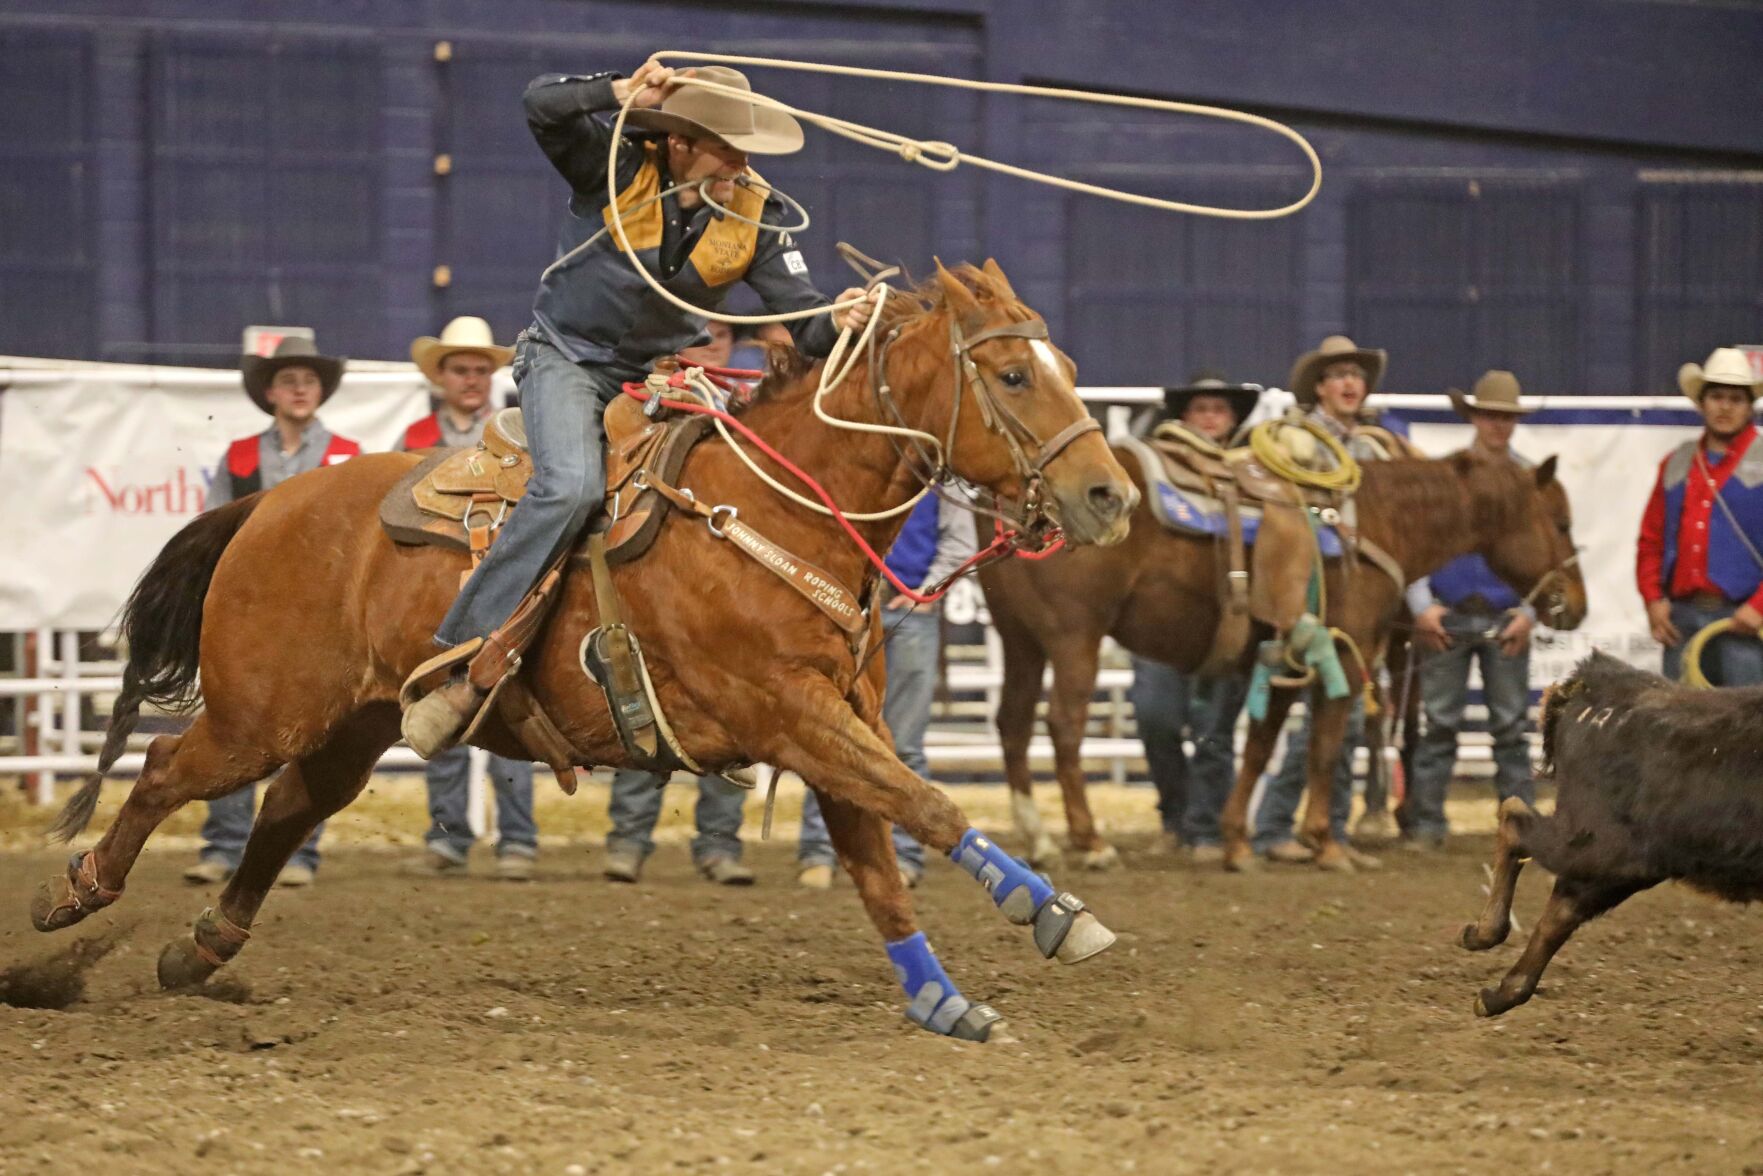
(460, 498)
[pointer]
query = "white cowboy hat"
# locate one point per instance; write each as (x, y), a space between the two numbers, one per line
(695, 112)
(465, 333)
(1496, 391)
(1726, 365)
(1335, 349)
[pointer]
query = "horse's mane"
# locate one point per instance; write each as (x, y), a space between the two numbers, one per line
(1424, 487)
(785, 366)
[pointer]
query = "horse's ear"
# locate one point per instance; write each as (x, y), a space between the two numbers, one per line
(1546, 472)
(958, 297)
(995, 272)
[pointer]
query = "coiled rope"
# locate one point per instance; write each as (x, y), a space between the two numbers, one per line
(1692, 673)
(1264, 441)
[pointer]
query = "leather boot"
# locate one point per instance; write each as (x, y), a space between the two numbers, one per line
(434, 722)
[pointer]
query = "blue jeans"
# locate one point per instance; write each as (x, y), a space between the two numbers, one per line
(1168, 703)
(1444, 691)
(1727, 660)
(1285, 790)
(229, 825)
(912, 647)
(449, 780)
(636, 806)
(562, 404)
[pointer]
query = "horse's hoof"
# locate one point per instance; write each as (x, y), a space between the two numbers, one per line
(1066, 931)
(1105, 858)
(181, 967)
(1335, 863)
(1481, 1006)
(64, 900)
(976, 1023)
(1241, 861)
(54, 906)
(1473, 940)
(1086, 938)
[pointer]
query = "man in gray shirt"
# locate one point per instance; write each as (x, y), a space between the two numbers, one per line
(289, 385)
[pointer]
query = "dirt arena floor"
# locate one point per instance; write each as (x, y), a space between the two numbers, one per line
(1282, 1022)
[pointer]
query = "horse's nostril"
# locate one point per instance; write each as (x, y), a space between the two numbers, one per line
(1105, 501)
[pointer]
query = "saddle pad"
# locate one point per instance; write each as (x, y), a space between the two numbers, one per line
(1198, 514)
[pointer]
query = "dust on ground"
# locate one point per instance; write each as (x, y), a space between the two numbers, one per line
(1288, 1021)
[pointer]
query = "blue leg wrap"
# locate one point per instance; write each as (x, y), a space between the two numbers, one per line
(932, 1000)
(1015, 889)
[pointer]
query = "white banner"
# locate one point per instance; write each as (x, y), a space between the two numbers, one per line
(1608, 470)
(100, 464)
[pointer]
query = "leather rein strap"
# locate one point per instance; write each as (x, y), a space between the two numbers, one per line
(818, 586)
(997, 418)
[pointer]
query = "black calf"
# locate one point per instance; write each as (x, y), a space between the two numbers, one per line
(1654, 782)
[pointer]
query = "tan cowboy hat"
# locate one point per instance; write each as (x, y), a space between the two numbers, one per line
(1496, 391)
(695, 112)
(1308, 370)
(465, 333)
(293, 351)
(1726, 365)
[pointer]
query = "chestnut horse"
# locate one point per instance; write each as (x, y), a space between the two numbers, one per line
(304, 618)
(1157, 595)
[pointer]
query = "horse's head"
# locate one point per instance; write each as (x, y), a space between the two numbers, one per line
(1525, 532)
(1004, 401)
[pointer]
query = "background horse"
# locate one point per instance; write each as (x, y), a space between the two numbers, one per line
(304, 618)
(1157, 595)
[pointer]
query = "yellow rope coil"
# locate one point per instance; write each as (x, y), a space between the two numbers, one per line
(1691, 673)
(1265, 444)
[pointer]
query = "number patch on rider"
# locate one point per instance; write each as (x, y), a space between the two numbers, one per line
(794, 263)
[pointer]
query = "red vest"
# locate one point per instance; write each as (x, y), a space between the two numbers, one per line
(243, 455)
(424, 434)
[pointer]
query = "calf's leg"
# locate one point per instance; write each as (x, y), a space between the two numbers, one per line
(1517, 819)
(1573, 901)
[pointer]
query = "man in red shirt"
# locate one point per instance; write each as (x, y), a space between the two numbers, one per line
(1699, 558)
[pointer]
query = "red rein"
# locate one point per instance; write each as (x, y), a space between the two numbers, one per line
(1003, 542)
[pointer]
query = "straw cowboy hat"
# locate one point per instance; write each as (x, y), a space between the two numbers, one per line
(1242, 398)
(293, 351)
(695, 112)
(1496, 391)
(1334, 349)
(465, 333)
(1726, 365)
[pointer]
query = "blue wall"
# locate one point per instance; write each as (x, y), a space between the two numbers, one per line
(1571, 189)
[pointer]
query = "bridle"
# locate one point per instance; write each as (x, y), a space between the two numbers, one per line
(1554, 582)
(1029, 454)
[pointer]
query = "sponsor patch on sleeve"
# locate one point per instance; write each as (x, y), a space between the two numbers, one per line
(794, 263)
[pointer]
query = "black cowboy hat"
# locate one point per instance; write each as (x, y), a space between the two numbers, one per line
(293, 351)
(1242, 397)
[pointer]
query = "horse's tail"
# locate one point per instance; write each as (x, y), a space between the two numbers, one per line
(162, 626)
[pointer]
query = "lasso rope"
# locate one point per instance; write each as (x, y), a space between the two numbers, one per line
(1692, 673)
(934, 154)
(1264, 442)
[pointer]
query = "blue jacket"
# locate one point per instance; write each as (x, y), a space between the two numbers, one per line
(911, 555)
(1469, 575)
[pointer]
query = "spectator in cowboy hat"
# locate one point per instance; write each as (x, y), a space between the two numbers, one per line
(1167, 704)
(1699, 558)
(1332, 386)
(290, 384)
(461, 363)
(1463, 613)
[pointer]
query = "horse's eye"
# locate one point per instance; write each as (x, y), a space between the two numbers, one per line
(1015, 378)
